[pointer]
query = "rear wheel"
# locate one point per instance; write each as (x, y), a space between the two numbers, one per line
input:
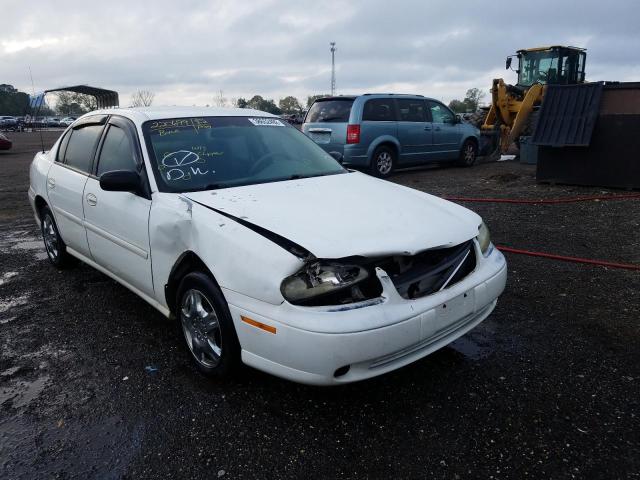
(468, 153)
(207, 327)
(55, 247)
(383, 161)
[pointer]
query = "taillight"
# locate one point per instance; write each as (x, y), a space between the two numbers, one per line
(353, 133)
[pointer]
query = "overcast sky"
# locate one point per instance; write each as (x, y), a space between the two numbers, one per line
(185, 51)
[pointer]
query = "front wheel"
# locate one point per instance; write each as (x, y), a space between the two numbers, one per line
(468, 154)
(56, 249)
(207, 326)
(383, 162)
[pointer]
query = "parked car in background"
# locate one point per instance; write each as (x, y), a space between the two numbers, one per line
(381, 132)
(264, 247)
(66, 121)
(8, 122)
(5, 143)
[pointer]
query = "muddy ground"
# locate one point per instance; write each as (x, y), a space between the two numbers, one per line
(547, 387)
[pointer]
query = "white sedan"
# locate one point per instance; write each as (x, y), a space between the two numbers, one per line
(265, 248)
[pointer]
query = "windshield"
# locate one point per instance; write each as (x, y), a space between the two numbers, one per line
(539, 67)
(206, 153)
(333, 110)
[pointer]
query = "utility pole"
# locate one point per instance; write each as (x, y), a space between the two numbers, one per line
(333, 68)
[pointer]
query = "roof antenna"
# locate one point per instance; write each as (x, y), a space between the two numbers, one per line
(38, 105)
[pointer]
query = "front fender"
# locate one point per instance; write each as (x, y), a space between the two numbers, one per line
(239, 258)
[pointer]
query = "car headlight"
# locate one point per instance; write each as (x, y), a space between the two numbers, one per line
(324, 283)
(484, 239)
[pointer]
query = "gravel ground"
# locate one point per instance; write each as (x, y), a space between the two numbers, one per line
(547, 387)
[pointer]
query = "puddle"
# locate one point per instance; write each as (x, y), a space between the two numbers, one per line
(6, 305)
(100, 448)
(7, 276)
(22, 240)
(23, 392)
(10, 371)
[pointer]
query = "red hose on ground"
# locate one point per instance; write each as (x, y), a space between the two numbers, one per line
(548, 200)
(601, 263)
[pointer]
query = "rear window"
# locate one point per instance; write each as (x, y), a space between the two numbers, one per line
(330, 111)
(81, 147)
(379, 110)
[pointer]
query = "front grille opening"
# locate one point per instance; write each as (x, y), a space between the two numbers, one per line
(430, 271)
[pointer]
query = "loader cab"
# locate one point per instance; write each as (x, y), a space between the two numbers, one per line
(550, 66)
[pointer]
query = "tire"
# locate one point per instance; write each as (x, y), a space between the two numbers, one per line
(206, 326)
(468, 153)
(53, 244)
(383, 162)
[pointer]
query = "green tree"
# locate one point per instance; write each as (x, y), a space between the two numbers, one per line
(241, 103)
(457, 106)
(13, 102)
(313, 98)
(71, 103)
(290, 105)
(472, 98)
(259, 103)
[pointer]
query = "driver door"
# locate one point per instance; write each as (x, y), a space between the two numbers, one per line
(446, 132)
(117, 223)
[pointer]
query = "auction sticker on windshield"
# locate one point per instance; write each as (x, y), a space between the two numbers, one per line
(266, 122)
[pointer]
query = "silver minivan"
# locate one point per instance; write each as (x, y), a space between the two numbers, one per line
(381, 132)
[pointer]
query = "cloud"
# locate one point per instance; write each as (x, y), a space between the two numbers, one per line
(187, 51)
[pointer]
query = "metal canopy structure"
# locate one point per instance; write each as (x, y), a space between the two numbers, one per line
(104, 98)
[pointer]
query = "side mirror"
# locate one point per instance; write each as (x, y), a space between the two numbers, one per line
(121, 181)
(338, 156)
(508, 63)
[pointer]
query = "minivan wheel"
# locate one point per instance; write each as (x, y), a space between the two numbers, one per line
(53, 244)
(383, 162)
(206, 325)
(468, 154)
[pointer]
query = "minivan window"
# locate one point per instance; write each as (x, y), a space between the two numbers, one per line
(411, 110)
(379, 110)
(440, 113)
(116, 153)
(81, 147)
(334, 110)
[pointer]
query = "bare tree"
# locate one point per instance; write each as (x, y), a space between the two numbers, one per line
(220, 100)
(142, 98)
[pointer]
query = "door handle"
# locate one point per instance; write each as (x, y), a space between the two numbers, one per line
(437, 129)
(51, 182)
(427, 128)
(92, 200)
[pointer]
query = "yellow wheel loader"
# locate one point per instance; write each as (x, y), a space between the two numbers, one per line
(512, 106)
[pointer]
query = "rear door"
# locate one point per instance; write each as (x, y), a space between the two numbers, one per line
(117, 223)
(414, 132)
(447, 135)
(67, 178)
(326, 122)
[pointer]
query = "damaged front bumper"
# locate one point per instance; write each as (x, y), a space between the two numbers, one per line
(347, 343)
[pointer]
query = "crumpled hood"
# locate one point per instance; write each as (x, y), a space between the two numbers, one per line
(348, 214)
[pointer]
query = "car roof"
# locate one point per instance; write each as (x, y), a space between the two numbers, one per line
(142, 114)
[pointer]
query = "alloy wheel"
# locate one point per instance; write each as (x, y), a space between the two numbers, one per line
(50, 238)
(201, 328)
(384, 163)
